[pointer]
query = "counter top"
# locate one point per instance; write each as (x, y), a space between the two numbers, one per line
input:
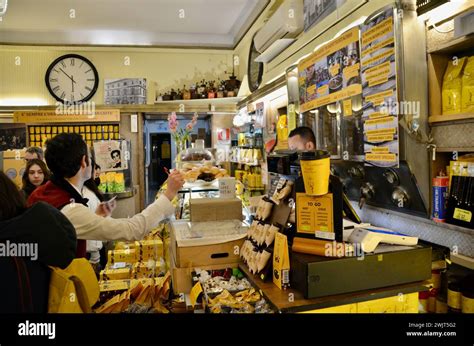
(281, 298)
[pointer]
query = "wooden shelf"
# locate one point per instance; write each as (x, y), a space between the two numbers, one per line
(222, 100)
(457, 45)
(455, 117)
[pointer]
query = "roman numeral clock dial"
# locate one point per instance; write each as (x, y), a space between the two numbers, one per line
(72, 78)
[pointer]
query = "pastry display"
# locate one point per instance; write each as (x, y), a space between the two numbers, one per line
(206, 172)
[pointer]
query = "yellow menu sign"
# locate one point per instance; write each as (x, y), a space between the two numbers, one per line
(379, 103)
(315, 215)
(333, 71)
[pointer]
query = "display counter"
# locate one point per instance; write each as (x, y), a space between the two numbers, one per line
(398, 299)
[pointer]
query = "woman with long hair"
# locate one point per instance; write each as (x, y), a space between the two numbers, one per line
(36, 174)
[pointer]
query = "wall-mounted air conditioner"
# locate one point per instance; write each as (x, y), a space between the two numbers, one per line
(280, 30)
(3, 7)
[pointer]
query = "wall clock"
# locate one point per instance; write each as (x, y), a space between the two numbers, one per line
(255, 69)
(72, 78)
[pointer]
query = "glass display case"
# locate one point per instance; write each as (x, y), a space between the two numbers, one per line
(196, 155)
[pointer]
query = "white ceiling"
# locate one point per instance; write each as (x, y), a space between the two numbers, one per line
(201, 23)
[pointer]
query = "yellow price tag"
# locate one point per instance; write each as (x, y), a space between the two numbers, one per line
(463, 215)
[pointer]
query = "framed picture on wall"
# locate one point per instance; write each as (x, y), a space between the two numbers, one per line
(111, 155)
(12, 136)
(125, 91)
(316, 10)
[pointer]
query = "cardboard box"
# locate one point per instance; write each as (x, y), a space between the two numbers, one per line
(203, 255)
(214, 209)
(181, 277)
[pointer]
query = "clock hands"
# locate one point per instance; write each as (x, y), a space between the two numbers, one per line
(70, 77)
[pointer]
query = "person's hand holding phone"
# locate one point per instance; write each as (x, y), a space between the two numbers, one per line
(106, 208)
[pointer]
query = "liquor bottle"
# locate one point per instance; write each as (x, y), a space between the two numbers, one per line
(186, 93)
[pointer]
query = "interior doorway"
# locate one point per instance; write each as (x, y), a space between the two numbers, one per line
(160, 162)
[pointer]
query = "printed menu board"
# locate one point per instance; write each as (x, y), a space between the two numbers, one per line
(379, 95)
(332, 73)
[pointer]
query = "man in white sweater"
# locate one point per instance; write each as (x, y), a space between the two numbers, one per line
(69, 160)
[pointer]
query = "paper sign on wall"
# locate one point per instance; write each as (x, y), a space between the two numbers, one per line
(380, 98)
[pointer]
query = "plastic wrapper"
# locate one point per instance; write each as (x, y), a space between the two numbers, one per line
(452, 87)
(467, 98)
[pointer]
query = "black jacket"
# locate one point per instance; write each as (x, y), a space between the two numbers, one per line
(25, 281)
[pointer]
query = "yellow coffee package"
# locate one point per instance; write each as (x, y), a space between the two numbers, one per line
(103, 183)
(452, 86)
(127, 255)
(467, 99)
(114, 285)
(149, 249)
(115, 274)
(143, 270)
(119, 182)
(124, 245)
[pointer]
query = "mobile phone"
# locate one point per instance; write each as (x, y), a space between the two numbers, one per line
(110, 200)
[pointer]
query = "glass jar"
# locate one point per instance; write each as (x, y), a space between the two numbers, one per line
(196, 154)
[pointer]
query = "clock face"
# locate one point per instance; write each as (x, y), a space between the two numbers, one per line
(72, 78)
(255, 69)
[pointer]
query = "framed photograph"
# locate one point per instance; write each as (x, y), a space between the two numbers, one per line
(125, 91)
(111, 155)
(316, 10)
(12, 136)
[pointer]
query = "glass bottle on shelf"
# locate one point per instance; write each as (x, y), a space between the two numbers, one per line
(173, 94)
(179, 95)
(205, 88)
(211, 92)
(186, 93)
(193, 92)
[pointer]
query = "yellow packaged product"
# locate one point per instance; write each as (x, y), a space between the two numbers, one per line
(142, 270)
(467, 98)
(123, 245)
(127, 255)
(114, 285)
(115, 274)
(149, 249)
(452, 86)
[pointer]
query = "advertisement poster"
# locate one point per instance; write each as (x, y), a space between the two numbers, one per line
(332, 73)
(379, 91)
(111, 155)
